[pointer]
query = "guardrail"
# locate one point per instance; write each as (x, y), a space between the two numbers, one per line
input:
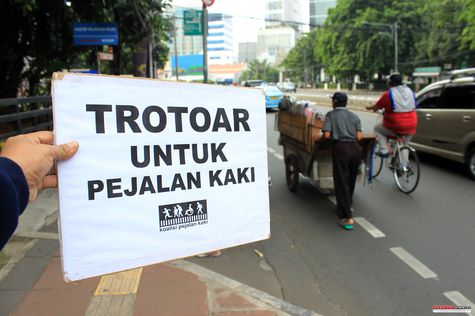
(25, 115)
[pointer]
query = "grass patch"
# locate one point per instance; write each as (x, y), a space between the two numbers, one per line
(3, 259)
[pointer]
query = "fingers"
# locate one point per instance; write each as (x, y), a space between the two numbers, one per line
(43, 137)
(64, 151)
(50, 181)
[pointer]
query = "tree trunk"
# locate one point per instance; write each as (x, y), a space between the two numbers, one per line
(140, 59)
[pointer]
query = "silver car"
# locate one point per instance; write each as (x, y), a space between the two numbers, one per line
(446, 119)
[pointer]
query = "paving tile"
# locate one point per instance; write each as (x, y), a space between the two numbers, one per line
(44, 248)
(168, 291)
(232, 300)
(9, 300)
(25, 274)
(52, 296)
(246, 313)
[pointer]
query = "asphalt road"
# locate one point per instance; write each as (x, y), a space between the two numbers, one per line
(406, 254)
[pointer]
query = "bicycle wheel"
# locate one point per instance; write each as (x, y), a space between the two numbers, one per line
(375, 164)
(406, 170)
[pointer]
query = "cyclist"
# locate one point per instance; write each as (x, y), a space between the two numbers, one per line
(399, 116)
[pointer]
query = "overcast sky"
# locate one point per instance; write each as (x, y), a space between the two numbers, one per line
(248, 15)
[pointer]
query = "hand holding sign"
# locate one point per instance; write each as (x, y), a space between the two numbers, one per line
(36, 156)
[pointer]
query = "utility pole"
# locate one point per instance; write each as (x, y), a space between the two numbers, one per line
(305, 65)
(205, 44)
(394, 28)
(176, 48)
(206, 3)
(395, 46)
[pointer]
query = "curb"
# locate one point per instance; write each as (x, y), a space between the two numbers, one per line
(278, 306)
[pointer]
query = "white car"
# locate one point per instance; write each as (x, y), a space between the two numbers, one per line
(289, 87)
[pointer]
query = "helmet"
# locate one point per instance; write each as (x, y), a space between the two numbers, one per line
(395, 79)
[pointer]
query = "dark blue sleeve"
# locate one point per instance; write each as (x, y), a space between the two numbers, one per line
(14, 195)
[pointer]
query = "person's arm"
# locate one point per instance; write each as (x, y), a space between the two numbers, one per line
(327, 126)
(381, 103)
(359, 129)
(27, 166)
(13, 197)
(359, 135)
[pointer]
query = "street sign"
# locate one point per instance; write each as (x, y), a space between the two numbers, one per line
(427, 71)
(92, 34)
(192, 24)
(208, 3)
(83, 71)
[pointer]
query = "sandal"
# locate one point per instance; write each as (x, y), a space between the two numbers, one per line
(347, 223)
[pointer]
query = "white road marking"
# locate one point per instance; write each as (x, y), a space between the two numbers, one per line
(279, 156)
(370, 228)
(415, 264)
(458, 299)
(332, 199)
(271, 150)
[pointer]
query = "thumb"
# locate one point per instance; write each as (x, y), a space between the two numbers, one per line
(64, 151)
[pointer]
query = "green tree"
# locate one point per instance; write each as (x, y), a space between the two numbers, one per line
(467, 18)
(261, 70)
(302, 63)
(37, 38)
(358, 36)
(443, 27)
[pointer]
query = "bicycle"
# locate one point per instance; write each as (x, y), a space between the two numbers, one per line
(402, 161)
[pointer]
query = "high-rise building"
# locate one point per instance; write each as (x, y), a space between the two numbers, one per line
(247, 52)
(286, 20)
(220, 39)
(294, 13)
(273, 44)
(319, 11)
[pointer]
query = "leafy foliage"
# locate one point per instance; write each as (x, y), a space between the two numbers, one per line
(37, 38)
(260, 70)
(302, 62)
(358, 38)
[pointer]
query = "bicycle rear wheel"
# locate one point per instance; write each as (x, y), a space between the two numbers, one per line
(375, 164)
(406, 170)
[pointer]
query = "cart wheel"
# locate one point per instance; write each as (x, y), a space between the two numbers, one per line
(292, 173)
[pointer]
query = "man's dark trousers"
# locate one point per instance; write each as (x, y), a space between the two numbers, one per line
(346, 160)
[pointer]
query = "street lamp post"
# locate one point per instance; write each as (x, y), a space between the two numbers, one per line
(206, 3)
(393, 27)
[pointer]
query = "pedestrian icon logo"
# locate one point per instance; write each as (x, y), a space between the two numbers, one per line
(182, 215)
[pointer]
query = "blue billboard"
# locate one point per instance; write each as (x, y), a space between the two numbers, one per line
(89, 34)
(188, 64)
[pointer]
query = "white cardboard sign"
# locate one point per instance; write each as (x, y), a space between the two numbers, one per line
(164, 170)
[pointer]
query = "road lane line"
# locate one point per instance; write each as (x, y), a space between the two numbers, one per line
(279, 156)
(412, 262)
(458, 299)
(271, 150)
(332, 199)
(370, 228)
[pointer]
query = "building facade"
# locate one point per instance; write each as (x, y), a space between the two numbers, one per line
(293, 13)
(247, 52)
(319, 11)
(220, 39)
(273, 44)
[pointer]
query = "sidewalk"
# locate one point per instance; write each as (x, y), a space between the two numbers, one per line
(31, 282)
